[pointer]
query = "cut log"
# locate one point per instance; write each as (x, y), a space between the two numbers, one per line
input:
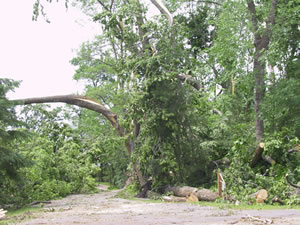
(2, 213)
(173, 199)
(206, 195)
(261, 196)
(192, 198)
(181, 191)
(258, 153)
(269, 160)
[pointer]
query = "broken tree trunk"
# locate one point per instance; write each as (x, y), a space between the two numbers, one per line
(258, 153)
(258, 156)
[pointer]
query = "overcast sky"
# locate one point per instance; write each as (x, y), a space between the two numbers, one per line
(38, 53)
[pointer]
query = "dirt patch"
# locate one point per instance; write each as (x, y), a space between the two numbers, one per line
(105, 209)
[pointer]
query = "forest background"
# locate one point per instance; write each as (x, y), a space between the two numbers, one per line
(177, 96)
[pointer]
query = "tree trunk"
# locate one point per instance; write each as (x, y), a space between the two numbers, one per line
(259, 73)
(258, 154)
(261, 43)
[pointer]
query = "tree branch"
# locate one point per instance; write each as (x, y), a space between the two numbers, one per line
(271, 18)
(184, 77)
(252, 10)
(111, 5)
(161, 7)
(293, 185)
(211, 2)
(78, 100)
(104, 6)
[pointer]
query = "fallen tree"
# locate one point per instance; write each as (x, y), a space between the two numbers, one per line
(91, 104)
(187, 191)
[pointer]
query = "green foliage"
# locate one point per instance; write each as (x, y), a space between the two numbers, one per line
(282, 106)
(10, 159)
(243, 181)
(58, 164)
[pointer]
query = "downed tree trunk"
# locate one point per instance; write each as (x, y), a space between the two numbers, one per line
(206, 195)
(186, 191)
(173, 199)
(181, 191)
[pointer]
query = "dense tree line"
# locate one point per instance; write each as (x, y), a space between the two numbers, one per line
(200, 83)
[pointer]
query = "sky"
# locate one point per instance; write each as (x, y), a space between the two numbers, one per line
(39, 53)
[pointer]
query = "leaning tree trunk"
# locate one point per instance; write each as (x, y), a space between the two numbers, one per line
(261, 43)
(88, 103)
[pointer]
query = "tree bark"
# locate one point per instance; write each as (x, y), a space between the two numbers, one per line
(258, 154)
(81, 101)
(181, 191)
(261, 43)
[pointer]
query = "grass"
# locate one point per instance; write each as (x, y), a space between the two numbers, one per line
(16, 215)
(131, 192)
(110, 187)
(244, 206)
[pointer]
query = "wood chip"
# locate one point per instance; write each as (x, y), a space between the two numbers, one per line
(257, 219)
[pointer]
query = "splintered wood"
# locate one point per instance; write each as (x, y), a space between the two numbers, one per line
(257, 220)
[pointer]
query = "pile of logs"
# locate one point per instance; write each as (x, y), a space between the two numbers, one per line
(189, 194)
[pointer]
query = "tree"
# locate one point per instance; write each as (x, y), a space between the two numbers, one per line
(261, 43)
(140, 60)
(10, 159)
